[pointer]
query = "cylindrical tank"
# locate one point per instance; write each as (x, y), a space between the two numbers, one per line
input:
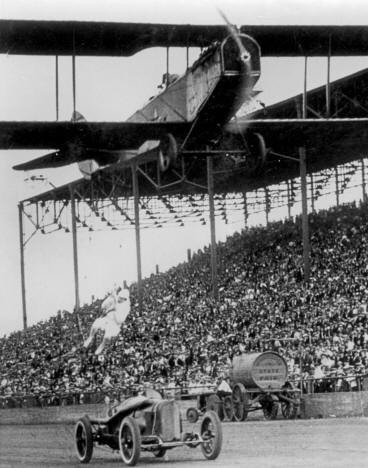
(267, 371)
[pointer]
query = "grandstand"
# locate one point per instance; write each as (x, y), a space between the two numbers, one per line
(183, 336)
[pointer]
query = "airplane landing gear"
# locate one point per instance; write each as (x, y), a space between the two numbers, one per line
(168, 152)
(256, 153)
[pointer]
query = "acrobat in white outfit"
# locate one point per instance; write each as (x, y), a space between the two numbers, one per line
(115, 310)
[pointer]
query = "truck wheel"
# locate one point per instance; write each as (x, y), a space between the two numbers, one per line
(129, 441)
(228, 408)
(289, 409)
(211, 433)
(215, 404)
(83, 439)
(240, 402)
(270, 408)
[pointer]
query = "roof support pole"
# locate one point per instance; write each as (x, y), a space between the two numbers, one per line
(289, 202)
(268, 205)
(57, 85)
(22, 275)
(305, 226)
(305, 88)
(337, 187)
(312, 192)
(245, 209)
(73, 72)
(363, 181)
(74, 85)
(137, 234)
(328, 87)
(75, 249)
(167, 65)
(211, 203)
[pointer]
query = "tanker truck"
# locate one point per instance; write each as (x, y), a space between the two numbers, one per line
(258, 382)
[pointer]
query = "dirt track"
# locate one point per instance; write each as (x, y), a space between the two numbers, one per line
(261, 444)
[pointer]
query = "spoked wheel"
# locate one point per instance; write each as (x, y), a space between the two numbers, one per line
(228, 408)
(239, 402)
(211, 433)
(192, 415)
(83, 439)
(270, 408)
(289, 409)
(129, 441)
(215, 404)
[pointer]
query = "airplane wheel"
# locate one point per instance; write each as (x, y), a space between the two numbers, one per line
(257, 153)
(129, 441)
(168, 152)
(83, 439)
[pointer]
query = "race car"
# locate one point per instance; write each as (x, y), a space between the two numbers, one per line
(142, 424)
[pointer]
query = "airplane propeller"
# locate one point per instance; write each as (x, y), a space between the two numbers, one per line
(245, 58)
(254, 144)
(243, 53)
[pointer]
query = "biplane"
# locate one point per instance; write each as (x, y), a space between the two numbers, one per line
(193, 113)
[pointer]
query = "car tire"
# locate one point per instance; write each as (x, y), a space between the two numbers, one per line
(129, 441)
(83, 438)
(211, 433)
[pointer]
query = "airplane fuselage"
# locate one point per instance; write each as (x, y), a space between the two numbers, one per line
(210, 92)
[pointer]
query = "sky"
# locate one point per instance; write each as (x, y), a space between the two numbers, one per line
(111, 89)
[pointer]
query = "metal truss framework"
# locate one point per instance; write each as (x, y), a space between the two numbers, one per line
(113, 213)
(117, 213)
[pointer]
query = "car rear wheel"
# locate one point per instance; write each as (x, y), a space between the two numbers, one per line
(83, 439)
(160, 452)
(211, 433)
(129, 441)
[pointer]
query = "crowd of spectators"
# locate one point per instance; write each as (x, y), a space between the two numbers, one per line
(182, 336)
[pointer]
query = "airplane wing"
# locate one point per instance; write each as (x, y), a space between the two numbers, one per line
(320, 136)
(78, 141)
(99, 135)
(311, 40)
(89, 38)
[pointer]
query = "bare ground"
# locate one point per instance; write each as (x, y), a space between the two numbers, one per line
(261, 444)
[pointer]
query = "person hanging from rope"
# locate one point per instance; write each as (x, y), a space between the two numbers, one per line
(114, 311)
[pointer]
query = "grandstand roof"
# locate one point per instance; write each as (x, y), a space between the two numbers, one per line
(328, 143)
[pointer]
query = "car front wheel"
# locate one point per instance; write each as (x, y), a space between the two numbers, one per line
(129, 441)
(211, 433)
